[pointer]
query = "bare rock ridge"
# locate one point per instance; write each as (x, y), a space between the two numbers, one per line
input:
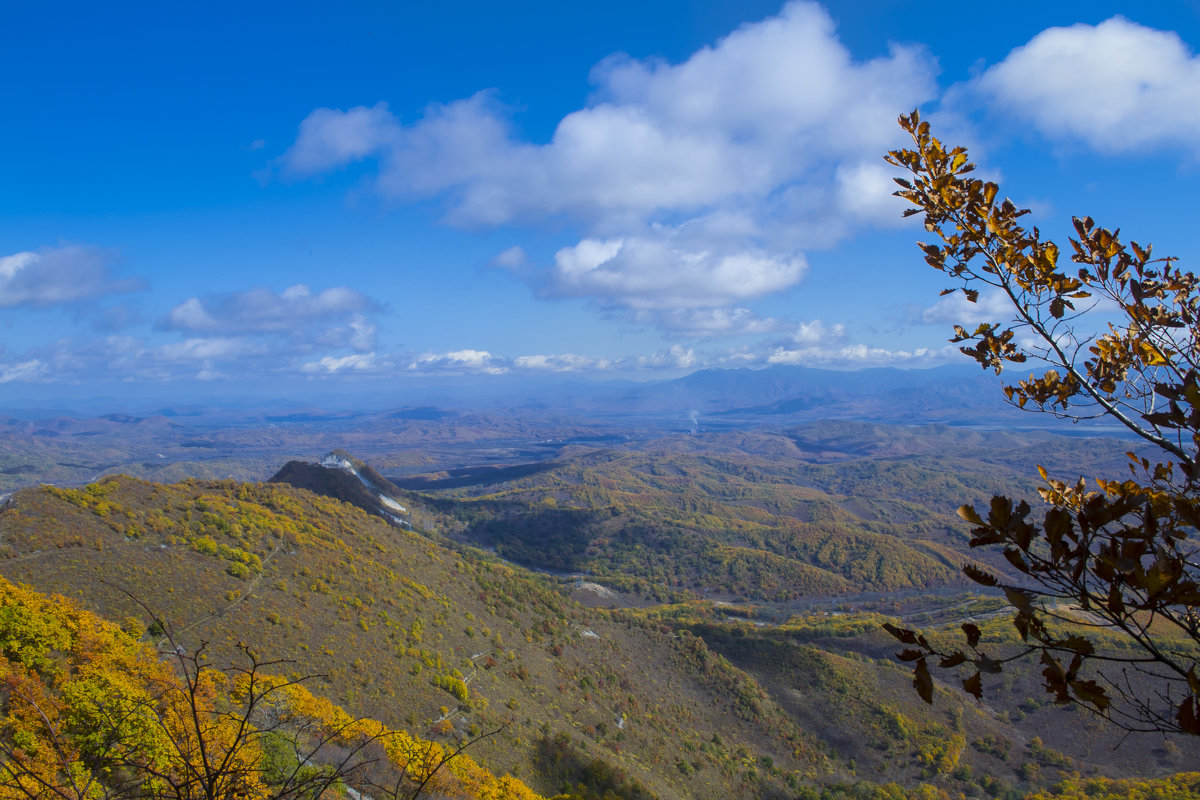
(343, 477)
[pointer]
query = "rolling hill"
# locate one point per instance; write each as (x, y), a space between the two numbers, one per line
(670, 701)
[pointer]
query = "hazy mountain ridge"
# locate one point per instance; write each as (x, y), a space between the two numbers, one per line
(503, 422)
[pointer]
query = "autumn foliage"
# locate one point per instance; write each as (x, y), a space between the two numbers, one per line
(1114, 336)
(87, 710)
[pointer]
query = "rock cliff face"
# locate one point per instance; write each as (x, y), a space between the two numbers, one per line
(343, 477)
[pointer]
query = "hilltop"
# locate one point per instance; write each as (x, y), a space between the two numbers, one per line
(343, 477)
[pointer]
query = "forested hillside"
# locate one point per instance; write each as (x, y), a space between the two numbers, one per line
(835, 509)
(444, 641)
(91, 711)
(414, 633)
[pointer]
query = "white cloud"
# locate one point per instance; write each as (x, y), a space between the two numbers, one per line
(23, 371)
(856, 355)
(362, 333)
(190, 315)
(819, 343)
(357, 333)
(331, 139)
(864, 190)
(1117, 86)
(663, 272)
(695, 185)
(675, 357)
(231, 336)
(56, 276)
(128, 358)
(263, 309)
(705, 322)
(482, 362)
(330, 318)
(564, 362)
(817, 332)
(512, 258)
(956, 309)
(357, 362)
(207, 349)
(459, 361)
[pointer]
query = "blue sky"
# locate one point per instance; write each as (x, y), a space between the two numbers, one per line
(258, 196)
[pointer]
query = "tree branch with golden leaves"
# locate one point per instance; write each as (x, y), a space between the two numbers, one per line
(1115, 561)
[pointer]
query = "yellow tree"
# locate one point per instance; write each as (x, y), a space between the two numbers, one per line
(88, 712)
(1115, 557)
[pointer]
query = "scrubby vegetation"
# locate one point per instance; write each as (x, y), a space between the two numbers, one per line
(87, 710)
(783, 689)
(695, 523)
(444, 643)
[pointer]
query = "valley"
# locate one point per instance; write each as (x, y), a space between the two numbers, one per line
(642, 608)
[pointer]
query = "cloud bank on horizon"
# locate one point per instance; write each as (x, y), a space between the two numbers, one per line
(680, 198)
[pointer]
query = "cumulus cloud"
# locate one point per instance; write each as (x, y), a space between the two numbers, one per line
(482, 362)
(864, 192)
(819, 343)
(659, 272)
(1116, 86)
(695, 184)
(459, 362)
(816, 342)
(329, 365)
(674, 357)
(563, 362)
(331, 139)
(817, 332)
(130, 358)
(263, 309)
(331, 318)
(55, 276)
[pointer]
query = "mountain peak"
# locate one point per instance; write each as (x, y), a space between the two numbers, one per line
(343, 477)
(335, 461)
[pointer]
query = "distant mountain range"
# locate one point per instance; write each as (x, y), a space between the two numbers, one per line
(941, 394)
(500, 422)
